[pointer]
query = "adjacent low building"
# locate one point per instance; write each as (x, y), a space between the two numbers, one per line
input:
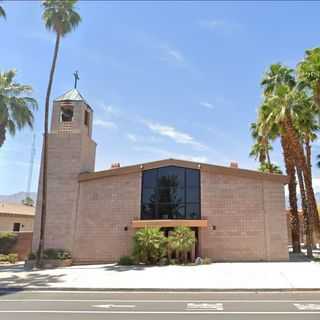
(16, 217)
(236, 214)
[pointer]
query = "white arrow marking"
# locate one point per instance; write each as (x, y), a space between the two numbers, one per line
(205, 306)
(309, 306)
(109, 306)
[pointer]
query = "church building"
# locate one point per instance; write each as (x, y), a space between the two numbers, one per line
(236, 214)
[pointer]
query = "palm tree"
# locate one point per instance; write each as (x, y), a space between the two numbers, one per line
(279, 75)
(284, 105)
(60, 17)
(261, 148)
(269, 168)
(15, 105)
(309, 73)
(2, 13)
(307, 126)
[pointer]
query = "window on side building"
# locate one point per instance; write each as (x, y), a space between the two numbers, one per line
(16, 226)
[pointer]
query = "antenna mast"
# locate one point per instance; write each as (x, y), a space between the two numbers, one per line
(31, 164)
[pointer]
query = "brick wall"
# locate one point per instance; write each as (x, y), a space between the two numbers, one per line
(23, 245)
(106, 207)
(249, 218)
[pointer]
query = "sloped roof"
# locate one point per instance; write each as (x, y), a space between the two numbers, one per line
(187, 164)
(16, 209)
(72, 94)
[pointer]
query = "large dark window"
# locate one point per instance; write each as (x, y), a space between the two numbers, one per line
(170, 193)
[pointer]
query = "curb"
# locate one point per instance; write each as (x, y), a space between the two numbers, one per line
(213, 290)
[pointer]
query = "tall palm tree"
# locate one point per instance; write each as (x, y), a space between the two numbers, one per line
(16, 105)
(60, 17)
(285, 104)
(2, 13)
(279, 75)
(307, 126)
(262, 147)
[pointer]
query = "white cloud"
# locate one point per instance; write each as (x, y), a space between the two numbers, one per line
(207, 105)
(132, 137)
(174, 134)
(111, 109)
(173, 55)
(219, 25)
(104, 124)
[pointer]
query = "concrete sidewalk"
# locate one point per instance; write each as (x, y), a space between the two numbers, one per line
(216, 276)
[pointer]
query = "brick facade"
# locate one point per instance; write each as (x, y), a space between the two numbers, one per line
(23, 245)
(107, 207)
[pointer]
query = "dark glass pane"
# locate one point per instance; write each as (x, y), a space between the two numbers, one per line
(149, 195)
(193, 178)
(150, 178)
(165, 210)
(193, 195)
(193, 211)
(148, 211)
(178, 212)
(171, 177)
(171, 195)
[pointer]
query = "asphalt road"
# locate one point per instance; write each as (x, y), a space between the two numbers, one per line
(164, 305)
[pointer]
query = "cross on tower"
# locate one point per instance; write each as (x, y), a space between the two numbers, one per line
(76, 78)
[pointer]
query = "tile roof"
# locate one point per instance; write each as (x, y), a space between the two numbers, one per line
(16, 209)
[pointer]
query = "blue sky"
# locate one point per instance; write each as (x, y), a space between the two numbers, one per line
(165, 79)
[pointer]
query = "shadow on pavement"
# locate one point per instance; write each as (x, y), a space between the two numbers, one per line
(120, 268)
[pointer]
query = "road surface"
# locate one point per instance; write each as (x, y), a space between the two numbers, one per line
(80, 305)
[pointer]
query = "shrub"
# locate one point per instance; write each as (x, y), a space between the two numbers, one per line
(126, 261)
(182, 240)
(56, 254)
(7, 242)
(150, 245)
(11, 258)
(31, 256)
(207, 260)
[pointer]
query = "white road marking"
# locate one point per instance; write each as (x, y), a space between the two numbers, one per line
(166, 301)
(108, 306)
(205, 306)
(159, 312)
(309, 306)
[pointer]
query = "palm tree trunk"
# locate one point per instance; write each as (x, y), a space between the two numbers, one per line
(45, 156)
(300, 160)
(2, 134)
(269, 160)
(313, 199)
(292, 186)
(305, 212)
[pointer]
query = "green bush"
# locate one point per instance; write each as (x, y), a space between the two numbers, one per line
(126, 261)
(150, 245)
(207, 260)
(182, 240)
(31, 256)
(11, 258)
(56, 254)
(7, 242)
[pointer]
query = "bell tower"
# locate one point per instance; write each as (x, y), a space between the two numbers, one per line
(71, 151)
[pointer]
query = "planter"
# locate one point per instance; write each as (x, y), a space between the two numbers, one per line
(48, 263)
